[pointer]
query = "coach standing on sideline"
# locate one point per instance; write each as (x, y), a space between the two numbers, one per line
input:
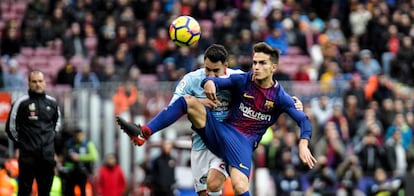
(33, 120)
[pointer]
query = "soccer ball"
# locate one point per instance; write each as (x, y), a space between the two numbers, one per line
(185, 31)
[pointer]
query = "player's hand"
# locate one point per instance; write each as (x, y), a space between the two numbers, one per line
(298, 103)
(305, 155)
(210, 90)
(209, 103)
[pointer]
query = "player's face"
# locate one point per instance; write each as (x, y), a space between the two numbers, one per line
(262, 67)
(214, 69)
(37, 82)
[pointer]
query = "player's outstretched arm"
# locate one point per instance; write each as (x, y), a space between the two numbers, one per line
(305, 154)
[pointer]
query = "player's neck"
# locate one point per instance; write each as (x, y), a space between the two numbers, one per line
(265, 83)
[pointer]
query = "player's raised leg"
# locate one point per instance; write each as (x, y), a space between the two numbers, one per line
(183, 105)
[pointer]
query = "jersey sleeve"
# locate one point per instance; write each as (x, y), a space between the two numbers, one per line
(298, 116)
(183, 88)
(225, 83)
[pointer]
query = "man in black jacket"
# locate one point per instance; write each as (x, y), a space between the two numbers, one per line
(163, 172)
(32, 123)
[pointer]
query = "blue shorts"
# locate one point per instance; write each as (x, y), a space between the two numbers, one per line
(227, 143)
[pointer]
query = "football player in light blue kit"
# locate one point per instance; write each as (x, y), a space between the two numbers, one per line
(208, 170)
(257, 102)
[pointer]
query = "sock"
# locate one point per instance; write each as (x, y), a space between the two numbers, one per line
(218, 193)
(245, 194)
(168, 116)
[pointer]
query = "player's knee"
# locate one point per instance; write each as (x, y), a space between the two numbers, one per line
(240, 186)
(189, 99)
(214, 185)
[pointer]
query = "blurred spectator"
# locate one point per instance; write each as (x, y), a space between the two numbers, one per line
(46, 34)
(110, 73)
(184, 59)
(127, 17)
(60, 23)
(106, 36)
(401, 66)
(367, 66)
(370, 153)
(39, 7)
(202, 10)
(289, 182)
(347, 63)
(10, 40)
(383, 185)
(246, 42)
(302, 73)
(224, 28)
(125, 96)
(66, 75)
(377, 34)
(73, 43)
(161, 41)
(85, 78)
(244, 18)
(359, 18)
(13, 79)
(163, 171)
(277, 40)
(80, 155)
(353, 114)
(331, 146)
(322, 108)
(122, 59)
(206, 39)
(393, 45)
(294, 36)
(349, 174)
(369, 122)
(279, 74)
(322, 178)
(355, 88)
(122, 36)
(330, 78)
(400, 124)
(288, 153)
(29, 38)
(396, 155)
(168, 71)
(148, 61)
(111, 180)
(335, 34)
(341, 122)
(7, 185)
(378, 88)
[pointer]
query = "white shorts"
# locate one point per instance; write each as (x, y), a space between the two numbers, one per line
(201, 162)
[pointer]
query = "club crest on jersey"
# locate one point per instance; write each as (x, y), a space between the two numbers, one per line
(269, 104)
(32, 109)
(181, 86)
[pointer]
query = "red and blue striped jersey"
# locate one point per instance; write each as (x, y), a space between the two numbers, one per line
(253, 108)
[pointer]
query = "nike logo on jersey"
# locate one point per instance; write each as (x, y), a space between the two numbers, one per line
(243, 166)
(248, 96)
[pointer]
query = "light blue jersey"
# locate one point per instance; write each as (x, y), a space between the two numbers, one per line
(191, 85)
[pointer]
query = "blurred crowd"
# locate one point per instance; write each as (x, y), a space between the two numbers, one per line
(362, 134)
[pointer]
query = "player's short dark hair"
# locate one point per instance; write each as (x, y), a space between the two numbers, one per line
(216, 53)
(267, 49)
